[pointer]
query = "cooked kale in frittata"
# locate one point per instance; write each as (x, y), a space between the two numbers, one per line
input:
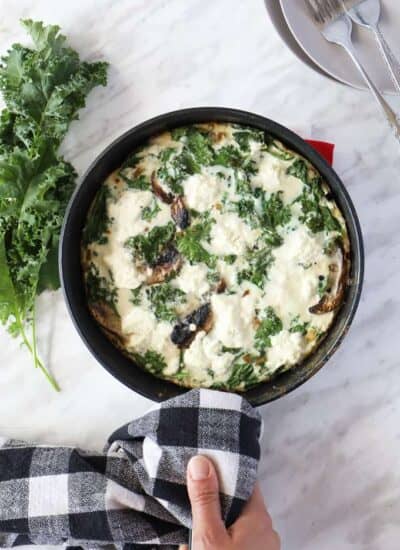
(214, 256)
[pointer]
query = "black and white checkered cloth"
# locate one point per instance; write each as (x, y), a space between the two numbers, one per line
(134, 495)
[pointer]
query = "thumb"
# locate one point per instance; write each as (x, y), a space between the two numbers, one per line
(202, 482)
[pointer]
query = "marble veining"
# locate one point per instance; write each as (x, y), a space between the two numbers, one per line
(331, 449)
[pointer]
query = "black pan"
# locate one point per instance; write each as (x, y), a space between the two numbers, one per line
(111, 158)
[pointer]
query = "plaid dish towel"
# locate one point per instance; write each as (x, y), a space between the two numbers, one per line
(134, 495)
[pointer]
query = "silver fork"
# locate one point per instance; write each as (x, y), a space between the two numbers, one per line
(336, 27)
(368, 13)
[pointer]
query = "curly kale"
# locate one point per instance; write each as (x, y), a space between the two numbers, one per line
(43, 89)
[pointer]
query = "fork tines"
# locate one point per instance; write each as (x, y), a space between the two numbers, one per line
(324, 11)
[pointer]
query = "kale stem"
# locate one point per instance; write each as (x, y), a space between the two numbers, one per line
(22, 331)
(50, 378)
(36, 359)
(37, 362)
(33, 350)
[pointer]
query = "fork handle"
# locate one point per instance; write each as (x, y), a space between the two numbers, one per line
(388, 112)
(389, 57)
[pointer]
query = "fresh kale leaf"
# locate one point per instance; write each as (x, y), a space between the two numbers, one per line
(43, 89)
(10, 308)
(49, 278)
(163, 299)
(270, 325)
(33, 197)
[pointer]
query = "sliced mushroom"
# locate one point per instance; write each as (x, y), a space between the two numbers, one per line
(329, 302)
(138, 171)
(179, 213)
(221, 286)
(170, 261)
(185, 331)
(159, 191)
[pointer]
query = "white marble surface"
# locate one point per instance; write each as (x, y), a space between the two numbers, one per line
(331, 450)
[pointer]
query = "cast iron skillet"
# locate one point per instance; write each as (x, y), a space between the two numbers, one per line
(109, 356)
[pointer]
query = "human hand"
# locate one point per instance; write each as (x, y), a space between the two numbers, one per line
(253, 529)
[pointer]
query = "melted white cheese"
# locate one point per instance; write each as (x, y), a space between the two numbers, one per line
(203, 191)
(286, 349)
(231, 235)
(145, 332)
(269, 173)
(272, 177)
(204, 354)
(126, 213)
(228, 272)
(233, 320)
(293, 277)
(193, 279)
(127, 210)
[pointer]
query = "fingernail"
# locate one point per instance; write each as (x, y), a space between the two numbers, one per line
(199, 468)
